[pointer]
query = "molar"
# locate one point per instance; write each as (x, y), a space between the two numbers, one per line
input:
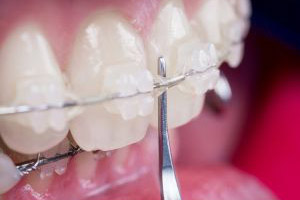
(8, 173)
(30, 74)
(108, 57)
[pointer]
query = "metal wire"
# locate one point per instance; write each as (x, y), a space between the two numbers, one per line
(162, 83)
(169, 188)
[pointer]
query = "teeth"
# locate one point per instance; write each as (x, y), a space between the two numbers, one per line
(128, 80)
(223, 23)
(108, 57)
(30, 74)
(8, 173)
(198, 57)
(235, 55)
(58, 167)
(173, 38)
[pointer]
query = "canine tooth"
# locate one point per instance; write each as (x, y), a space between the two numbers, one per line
(201, 83)
(108, 57)
(211, 18)
(30, 74)
(201, 58)
(128, 80)
(197, 56)
(8, 173)
(244, 8)
(172, 37)
(170, 27)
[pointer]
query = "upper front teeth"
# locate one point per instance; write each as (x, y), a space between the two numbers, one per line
(127, 80)
(109, 57)
(30, 74)
(224, 23)
(173, 37)
(196, 55)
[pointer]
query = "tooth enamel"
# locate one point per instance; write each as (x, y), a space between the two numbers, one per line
(172, 37)
(244, 8)
(108, 57)
(129, 80)
(30, 74)
(200, 58)
(211, 18)
(197, 56)
(58, 167)
(235, 55)
(223, 23)
(8, 173)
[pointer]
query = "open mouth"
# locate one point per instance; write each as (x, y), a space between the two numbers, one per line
(52, 51)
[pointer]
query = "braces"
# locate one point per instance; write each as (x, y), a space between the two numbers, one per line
(163, 84)
(26, 167)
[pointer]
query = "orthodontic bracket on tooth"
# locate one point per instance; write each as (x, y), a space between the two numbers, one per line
(161, 84)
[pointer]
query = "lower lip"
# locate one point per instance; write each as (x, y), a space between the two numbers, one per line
(132, 173)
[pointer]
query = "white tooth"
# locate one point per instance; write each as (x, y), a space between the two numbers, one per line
(235, 55)
(200, 84)
(212, 18)
(8, 173)
(169, 28)
(207, 21)
(58, 167)
(108, 57)
(30, 74)
(182, 107)
(244, 8)
(197, 56)
(201, 58)
(237, 31)
(170, 31)
(227, 12)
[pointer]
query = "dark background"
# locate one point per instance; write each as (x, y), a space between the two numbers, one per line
(278, 18)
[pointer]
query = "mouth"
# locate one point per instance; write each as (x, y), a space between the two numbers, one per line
(52, 51)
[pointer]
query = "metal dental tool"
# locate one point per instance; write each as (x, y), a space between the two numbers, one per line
(169, 189)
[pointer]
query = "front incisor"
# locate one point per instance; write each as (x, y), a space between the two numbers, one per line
(107, 55)
(30, 75)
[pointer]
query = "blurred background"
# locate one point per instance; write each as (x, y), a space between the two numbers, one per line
(259, 130)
